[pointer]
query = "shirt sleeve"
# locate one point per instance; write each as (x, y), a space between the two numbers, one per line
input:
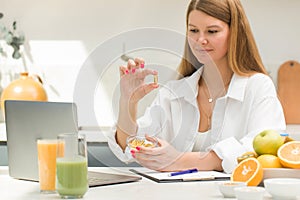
(228, 150)
(124, 156)
(267, 114)
(149, 123)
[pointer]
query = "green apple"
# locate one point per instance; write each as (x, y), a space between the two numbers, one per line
(267, 142)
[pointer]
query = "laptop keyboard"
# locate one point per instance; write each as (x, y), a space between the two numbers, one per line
(99, 178)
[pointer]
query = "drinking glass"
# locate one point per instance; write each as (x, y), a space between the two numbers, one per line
(47, 164)
(71, 166)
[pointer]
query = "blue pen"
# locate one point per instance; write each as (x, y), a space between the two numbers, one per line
(184, 172)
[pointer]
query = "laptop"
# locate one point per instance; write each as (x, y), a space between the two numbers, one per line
(26, 121)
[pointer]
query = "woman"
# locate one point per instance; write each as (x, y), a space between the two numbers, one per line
(208, 118)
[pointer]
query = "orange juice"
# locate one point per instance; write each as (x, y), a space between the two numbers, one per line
(47, 164)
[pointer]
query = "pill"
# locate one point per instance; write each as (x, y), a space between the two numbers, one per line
(155, 79)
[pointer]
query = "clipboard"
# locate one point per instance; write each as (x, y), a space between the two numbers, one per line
(164, 177)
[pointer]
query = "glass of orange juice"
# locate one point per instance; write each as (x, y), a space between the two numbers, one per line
(47, 149)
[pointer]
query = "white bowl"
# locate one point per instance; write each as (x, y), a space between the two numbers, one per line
(227, 188)
(283, 188)
(249, 193)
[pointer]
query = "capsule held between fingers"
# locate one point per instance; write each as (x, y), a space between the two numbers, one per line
(155, 79)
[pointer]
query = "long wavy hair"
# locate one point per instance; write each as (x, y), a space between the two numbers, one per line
(243, 55)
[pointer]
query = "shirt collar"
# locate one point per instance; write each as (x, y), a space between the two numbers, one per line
(188, 89)
(237, 87)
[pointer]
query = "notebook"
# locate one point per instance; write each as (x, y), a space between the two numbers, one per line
(26, 121)
(165, 177)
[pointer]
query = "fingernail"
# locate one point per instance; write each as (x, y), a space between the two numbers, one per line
(126, 71)
(133, 70)
(133, 155)
(132, 152)
(138, 148)
(142, 65)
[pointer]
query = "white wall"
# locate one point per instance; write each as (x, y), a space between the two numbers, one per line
(276, 27)
(62, 33)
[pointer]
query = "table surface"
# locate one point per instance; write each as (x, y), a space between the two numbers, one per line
(144, 189)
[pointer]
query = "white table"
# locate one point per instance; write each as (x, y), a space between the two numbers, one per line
(12, 189)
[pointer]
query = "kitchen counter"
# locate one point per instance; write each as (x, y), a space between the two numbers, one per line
(98, 150)
(98, 136)
(92, 134)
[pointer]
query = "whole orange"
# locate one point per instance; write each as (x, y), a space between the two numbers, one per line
(269, 161)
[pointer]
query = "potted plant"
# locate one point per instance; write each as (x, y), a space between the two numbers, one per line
(12, 38)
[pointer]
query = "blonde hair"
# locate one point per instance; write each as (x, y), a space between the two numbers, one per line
(243, 55)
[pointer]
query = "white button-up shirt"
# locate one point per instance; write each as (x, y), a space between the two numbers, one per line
(249, 107)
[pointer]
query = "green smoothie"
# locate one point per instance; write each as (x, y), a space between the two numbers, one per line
(71, 176)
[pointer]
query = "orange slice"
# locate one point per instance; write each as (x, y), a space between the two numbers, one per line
(249, 171)
(289, 154)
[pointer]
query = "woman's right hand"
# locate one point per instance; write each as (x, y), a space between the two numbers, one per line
(133, 86)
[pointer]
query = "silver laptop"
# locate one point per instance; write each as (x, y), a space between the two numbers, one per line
(26, 121)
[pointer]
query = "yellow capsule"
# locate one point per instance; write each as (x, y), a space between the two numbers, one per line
(155, 79)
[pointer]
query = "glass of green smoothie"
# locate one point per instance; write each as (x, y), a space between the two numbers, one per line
(71, 166)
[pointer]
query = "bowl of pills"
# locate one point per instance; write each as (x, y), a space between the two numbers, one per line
(138, 141)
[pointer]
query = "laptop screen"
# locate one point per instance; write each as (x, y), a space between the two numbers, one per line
(26, 121)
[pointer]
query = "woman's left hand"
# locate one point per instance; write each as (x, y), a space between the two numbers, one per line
(162, 158)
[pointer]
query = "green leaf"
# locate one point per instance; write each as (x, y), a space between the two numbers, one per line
(8, 38)
(14, 25)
